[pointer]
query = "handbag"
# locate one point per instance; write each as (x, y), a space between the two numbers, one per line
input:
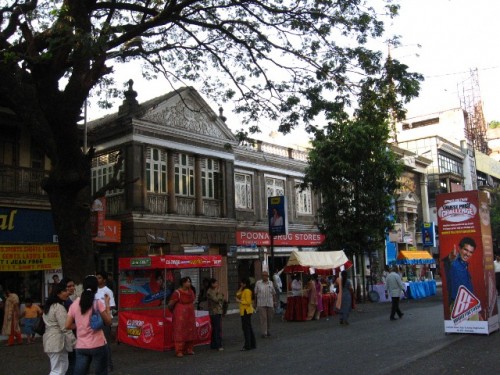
(39, 326)
(96, 322)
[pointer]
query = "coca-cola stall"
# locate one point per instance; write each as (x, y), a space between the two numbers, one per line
(145, 286)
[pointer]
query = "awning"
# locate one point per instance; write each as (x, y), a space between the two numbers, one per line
(323, 262)
(415, 257)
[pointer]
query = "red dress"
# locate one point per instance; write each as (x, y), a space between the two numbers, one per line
(184, 324)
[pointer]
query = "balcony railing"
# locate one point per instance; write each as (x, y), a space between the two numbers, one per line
(17, 180)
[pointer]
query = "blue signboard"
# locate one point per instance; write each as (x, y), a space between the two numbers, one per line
(428, 235)
(391, 251)
(278, 215)
(19, 225)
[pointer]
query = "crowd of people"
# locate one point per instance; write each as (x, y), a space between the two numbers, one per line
(72, 345)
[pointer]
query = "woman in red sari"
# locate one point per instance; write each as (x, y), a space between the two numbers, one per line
(184, 326)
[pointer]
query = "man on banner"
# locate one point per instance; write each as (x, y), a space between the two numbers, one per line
(458, 275)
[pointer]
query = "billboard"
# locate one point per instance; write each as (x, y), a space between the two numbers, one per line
(278, 215)
(428, 235)
(466, 261)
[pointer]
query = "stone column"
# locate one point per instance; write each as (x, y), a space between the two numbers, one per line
(135, 166)
(172, 201)
(198, 193)
(424, 197)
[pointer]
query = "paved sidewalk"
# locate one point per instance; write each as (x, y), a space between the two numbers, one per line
(294, 343)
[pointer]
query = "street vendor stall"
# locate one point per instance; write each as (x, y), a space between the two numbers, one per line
(419, 284)
(325, 263)
(145, 286)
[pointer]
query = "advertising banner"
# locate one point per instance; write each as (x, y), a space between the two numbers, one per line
(278, 215)
(153, 329)
(466, 261)
(428, 235)
(29, 257)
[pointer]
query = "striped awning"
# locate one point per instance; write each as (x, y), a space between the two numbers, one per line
(415, 257)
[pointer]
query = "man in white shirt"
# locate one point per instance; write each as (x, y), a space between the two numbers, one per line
(102, 290)
(265, 294)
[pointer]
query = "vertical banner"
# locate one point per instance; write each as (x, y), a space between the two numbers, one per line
(278, 215)
(466, 261)
(97, 217)
(428, 235)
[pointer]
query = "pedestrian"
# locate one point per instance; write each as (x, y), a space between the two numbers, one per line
(394, 286)
(70, 287)
(278, 287)
(31, 314)
(57, 339)
(265, 296)
(346, 292)
(103, 290)
(313, 299)
(215, 302)
(244, 297)
(296, 286)
(11, 327)
(181, 304)
(90, 344)
(496, 263)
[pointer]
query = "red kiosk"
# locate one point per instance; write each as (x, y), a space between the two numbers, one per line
(145, 286)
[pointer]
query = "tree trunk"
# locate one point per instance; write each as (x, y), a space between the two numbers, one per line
(71, 213)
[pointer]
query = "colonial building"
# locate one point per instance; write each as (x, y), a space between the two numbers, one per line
(194, 189)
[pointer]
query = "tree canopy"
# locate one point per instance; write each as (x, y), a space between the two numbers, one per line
(287, 60)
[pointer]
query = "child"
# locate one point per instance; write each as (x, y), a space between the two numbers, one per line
(30, 314)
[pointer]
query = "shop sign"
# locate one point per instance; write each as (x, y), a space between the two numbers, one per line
(258, 238)
(112, 232)
(16, 225)
(29, 257)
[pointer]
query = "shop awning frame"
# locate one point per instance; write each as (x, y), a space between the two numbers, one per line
(322, 262)
(411, 257)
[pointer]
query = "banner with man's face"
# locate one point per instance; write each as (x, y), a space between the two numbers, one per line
(466, 263)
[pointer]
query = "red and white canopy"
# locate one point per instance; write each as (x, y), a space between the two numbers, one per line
(323, 262)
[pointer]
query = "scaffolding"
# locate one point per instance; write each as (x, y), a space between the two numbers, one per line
(472, 105)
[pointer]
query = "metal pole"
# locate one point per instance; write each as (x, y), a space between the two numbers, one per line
(85, 127)
(271, 264)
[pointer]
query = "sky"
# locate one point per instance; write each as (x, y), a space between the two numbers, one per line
(445, 40)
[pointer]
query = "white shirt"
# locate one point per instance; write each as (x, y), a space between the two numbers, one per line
(277, 281)
(497, 266)
(264, 291)
(100, 295)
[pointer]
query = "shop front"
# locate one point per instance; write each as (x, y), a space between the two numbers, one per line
(253, 250)
(29, 254)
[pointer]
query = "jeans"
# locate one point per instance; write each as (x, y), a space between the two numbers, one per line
(107, 334)
(85, 356)
(216, 341)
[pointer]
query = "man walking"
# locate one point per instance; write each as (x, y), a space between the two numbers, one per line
(103, 290)
(265, 295)
(394, 286)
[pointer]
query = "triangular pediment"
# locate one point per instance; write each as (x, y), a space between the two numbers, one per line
(186, 111)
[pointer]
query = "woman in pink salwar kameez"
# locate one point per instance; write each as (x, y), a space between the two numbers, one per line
(184, 326)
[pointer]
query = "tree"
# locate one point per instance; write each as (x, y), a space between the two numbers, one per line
(281, 59)
(352, 166)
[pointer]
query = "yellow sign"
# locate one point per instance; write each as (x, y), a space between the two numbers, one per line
(29, 257)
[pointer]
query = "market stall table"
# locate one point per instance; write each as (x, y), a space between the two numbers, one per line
(296, 308)
(380, 289)
(421, 289)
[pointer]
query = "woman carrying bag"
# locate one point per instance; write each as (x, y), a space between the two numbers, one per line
(57, 340)
(90, 343)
